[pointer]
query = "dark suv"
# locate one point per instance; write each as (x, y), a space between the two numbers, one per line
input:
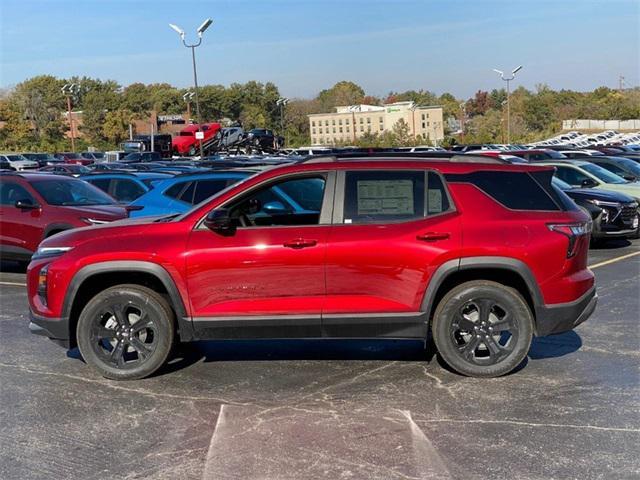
(483, 255)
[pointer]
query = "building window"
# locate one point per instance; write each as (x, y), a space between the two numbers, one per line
(340, 129)
(381, 127)
(313, 123)
(347, 129)
(368, 119)
(346, 122)
(361, 120)
(313, 130)
(320, 130)
(381, 119)
(326, 123)
(368, 128)
(340, 121)
(427, 124)
(333, 122)
(313, 140)
(361, 128)
(334, 129)
(423, 116)
(423, 124)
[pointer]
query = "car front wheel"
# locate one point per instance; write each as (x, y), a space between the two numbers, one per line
(483, 329)
(126, 332)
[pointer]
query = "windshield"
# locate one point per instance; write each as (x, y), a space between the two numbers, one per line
(16, 158)
(629, 165)
(68, 192)
(186, 134)
(561, 184)
(605, 175)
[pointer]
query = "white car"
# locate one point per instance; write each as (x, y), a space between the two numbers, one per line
(19, 162)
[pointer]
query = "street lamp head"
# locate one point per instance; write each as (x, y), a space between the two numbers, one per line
(178, 30)
(499, 72)
(206, 24)
(517, 69)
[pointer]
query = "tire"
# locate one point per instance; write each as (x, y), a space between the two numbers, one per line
(465, 329)
(110, 340)
(192, 151)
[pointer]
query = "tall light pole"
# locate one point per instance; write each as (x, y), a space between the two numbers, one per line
(281, 103)
(508, 79)
(68, 89)
(201, 29)
(187, 98)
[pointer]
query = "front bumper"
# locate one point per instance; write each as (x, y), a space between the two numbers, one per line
(57, 329)
(565, 316)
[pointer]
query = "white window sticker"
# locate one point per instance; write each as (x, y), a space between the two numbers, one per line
(385, 197)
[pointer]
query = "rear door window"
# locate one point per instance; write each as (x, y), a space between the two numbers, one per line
(384, 196)
(126, 190)
(208, 188)
(571, 176)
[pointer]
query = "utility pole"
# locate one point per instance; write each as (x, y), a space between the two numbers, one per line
(621, 83)
(463, 112)
(201, 29)
(508, 79)
(68, 89)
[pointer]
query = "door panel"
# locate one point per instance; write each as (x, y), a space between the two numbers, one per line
(21, 230)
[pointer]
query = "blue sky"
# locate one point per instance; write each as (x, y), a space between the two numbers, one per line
(304, 46)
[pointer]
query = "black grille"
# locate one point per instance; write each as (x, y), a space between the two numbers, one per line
(628, 213)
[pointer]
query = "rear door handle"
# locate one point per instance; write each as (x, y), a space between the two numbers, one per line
(433, 236)
(298, 243)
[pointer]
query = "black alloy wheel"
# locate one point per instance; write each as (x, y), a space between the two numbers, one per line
(483, 328)
(126, 332)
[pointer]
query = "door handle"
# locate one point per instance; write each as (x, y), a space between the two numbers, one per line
(432, 236)
(298, 243)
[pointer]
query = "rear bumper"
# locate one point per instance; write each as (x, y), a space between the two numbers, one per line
(57, 329)
(565, 316)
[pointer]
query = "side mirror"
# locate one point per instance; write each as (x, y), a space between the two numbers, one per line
(631, 178)
(588, 183)
(26, 204)
(220, 222)
(275, 208)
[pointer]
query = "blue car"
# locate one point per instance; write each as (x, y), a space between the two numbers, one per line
(123, 186)
(178, 194)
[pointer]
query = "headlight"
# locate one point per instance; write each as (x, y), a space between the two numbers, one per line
(600, 203)
(93, 221)
(44, 252)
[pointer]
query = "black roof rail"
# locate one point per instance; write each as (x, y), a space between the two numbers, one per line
(454, 157)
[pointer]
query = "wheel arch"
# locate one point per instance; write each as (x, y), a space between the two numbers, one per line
(506, 270)
(93, 278)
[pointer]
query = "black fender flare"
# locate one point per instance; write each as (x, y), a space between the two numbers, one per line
(56, 226)
(474, 263)
(82, 275)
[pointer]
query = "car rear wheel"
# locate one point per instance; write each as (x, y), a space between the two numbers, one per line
(126, 332)
(483, 329)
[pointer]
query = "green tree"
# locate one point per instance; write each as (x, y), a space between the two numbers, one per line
(342, 93)
(115, 128)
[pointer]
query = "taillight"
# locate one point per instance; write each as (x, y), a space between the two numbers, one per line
(572, 231)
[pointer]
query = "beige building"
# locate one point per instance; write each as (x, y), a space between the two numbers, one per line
(351, 122)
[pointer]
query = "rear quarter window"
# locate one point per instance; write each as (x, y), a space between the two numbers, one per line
(514, 190)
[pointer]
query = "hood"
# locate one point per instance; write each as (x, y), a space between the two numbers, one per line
(632, 189)
(101, 212)
(77, 236)
(598, 194)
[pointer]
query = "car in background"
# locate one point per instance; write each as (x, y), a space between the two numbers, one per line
(264, 139)
(580, 153)
(123, 186)
(139, 157)
(72, 157)
(185, 143)
(35, 206)
(538, 154)
(501, 154)
(4, 164)
(95, 156)
(180, 193)
(18, 162)
(111, 166)
(66, 169)
(621, 166)
(584, 174)
(43, 159)
(614, 215)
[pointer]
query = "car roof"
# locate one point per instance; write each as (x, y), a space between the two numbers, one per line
(35, 176)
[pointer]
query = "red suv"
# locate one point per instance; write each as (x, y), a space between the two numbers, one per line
(482, 255)
(34, 206)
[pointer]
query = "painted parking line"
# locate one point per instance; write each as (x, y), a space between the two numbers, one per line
(613, 260)
(14, 284)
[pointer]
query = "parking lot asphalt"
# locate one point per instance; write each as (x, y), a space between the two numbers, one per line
(331, 409)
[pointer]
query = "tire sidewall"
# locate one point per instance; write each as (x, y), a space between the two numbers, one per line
(505, 296)
(157, 308)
